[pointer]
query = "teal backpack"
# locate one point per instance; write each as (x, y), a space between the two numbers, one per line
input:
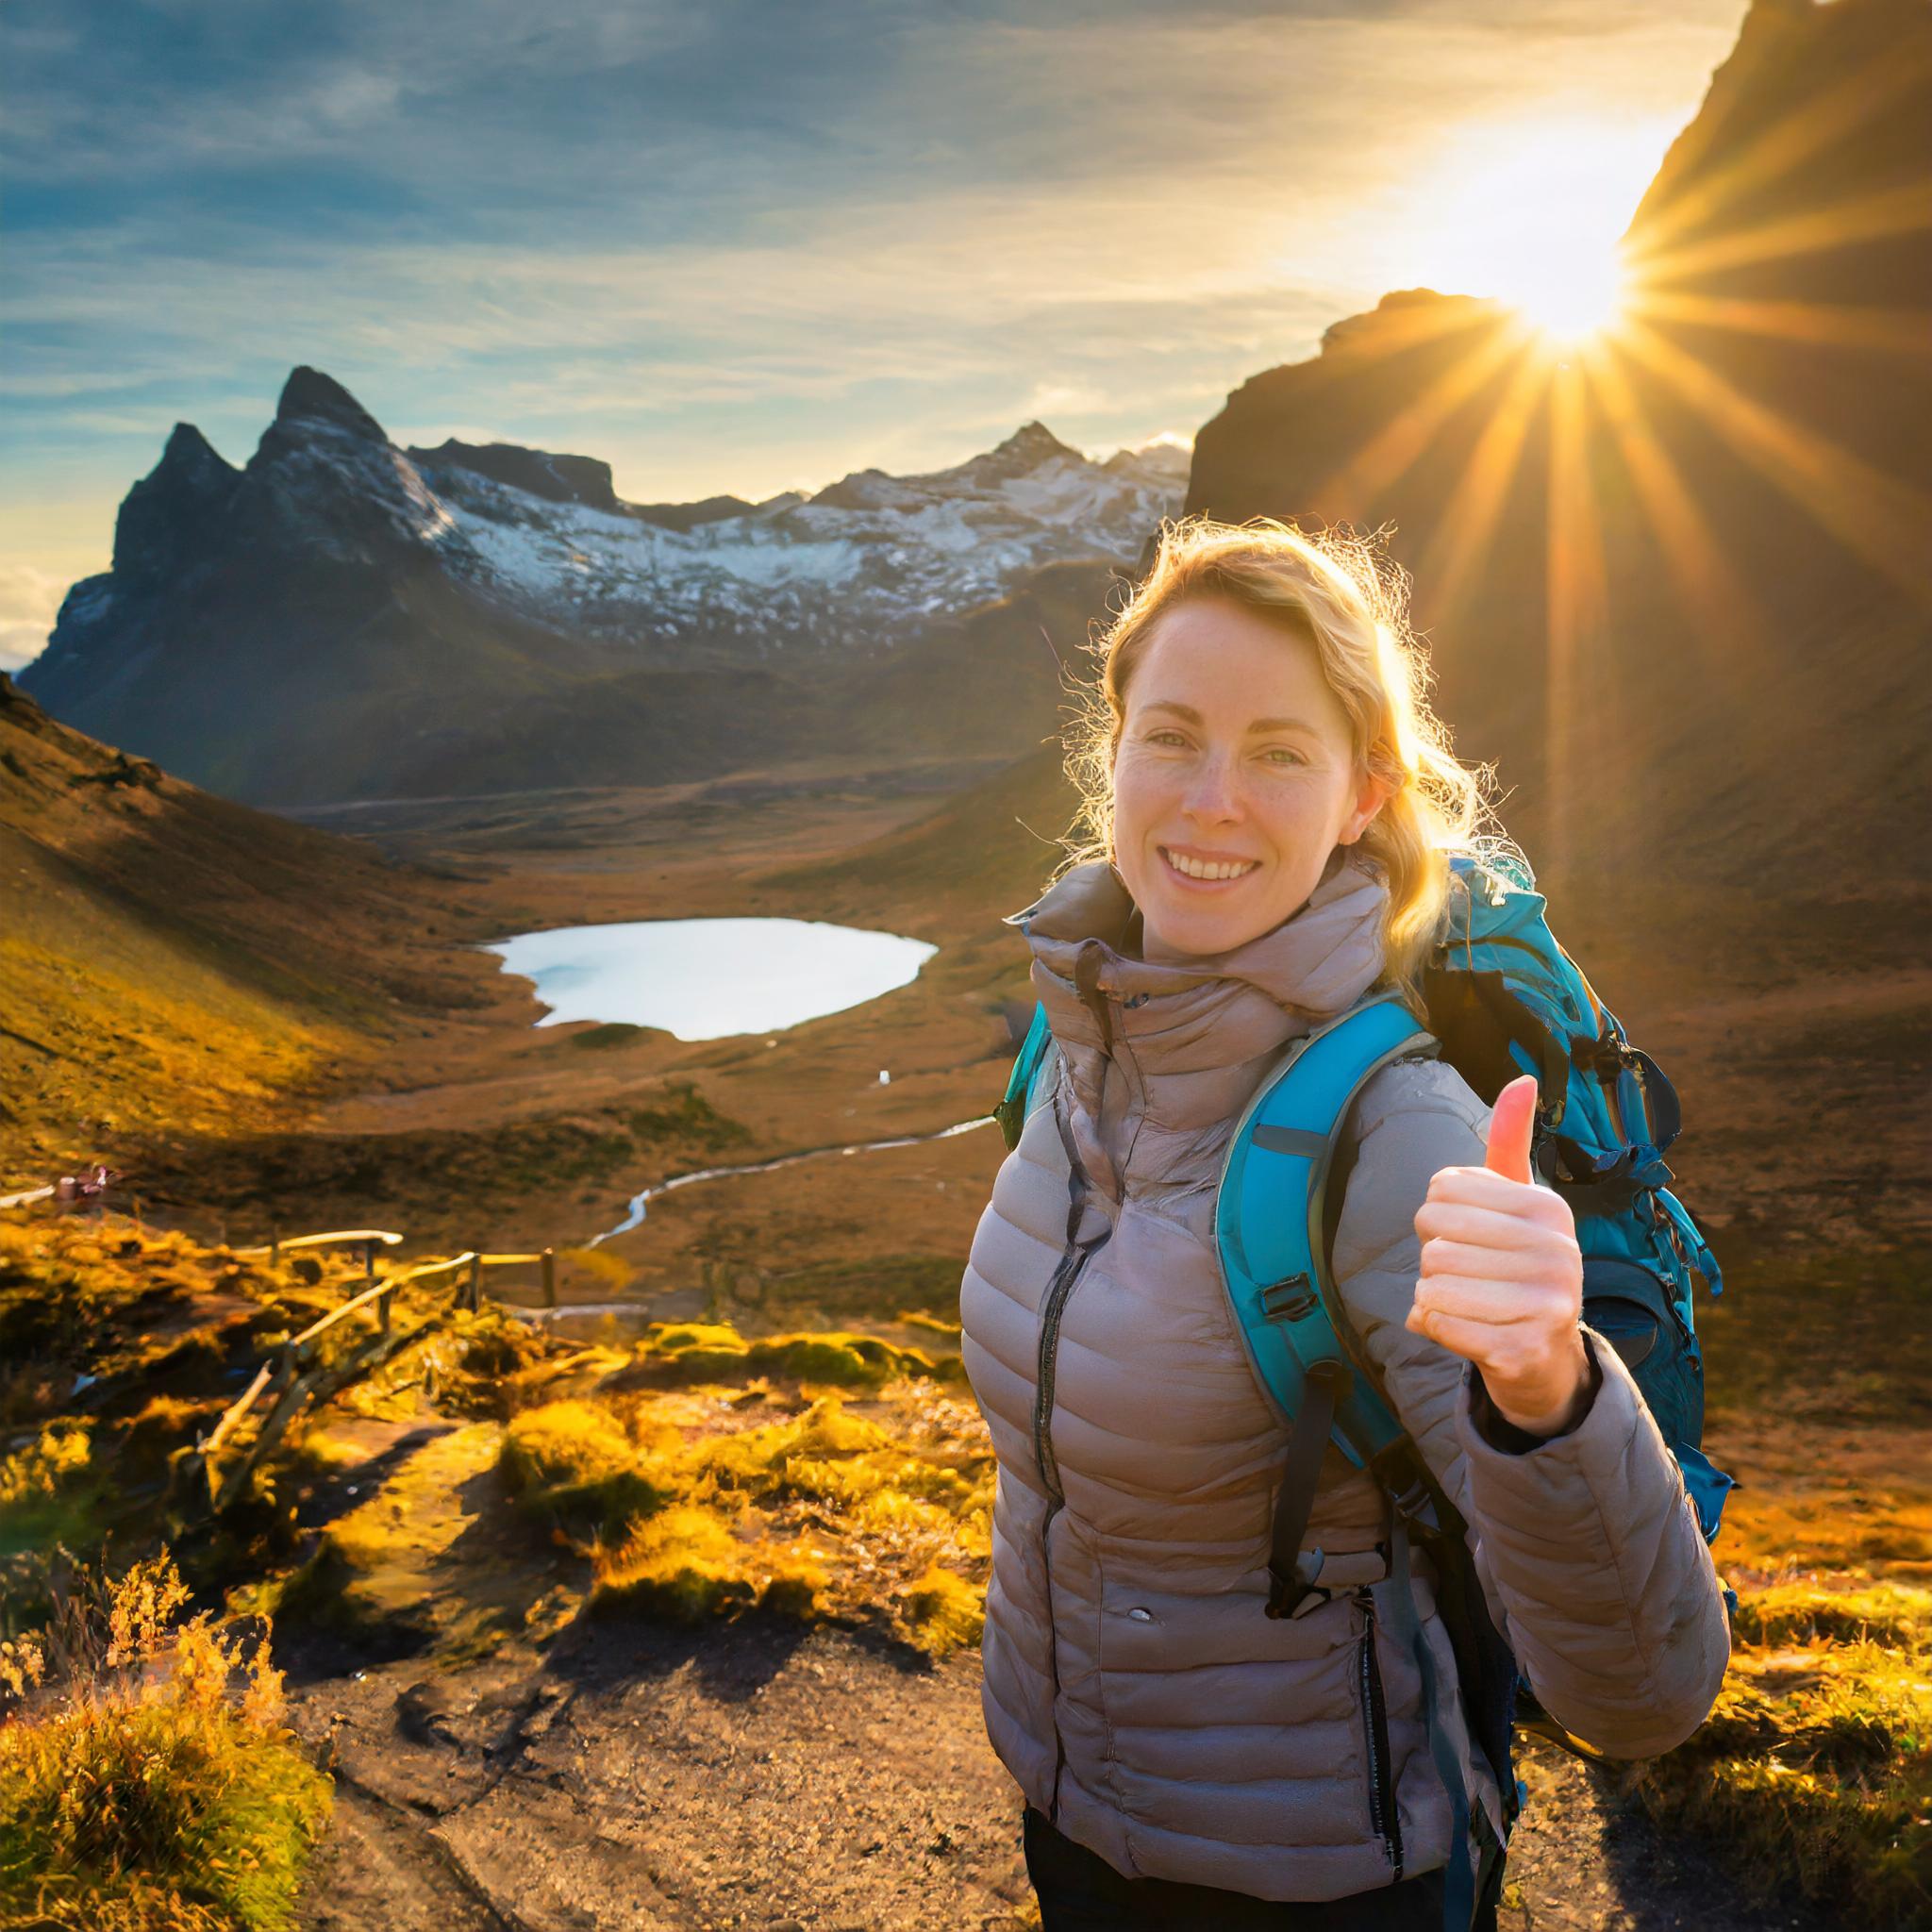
(1502, 998)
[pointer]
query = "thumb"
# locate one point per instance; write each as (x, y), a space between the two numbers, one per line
(1511, 1123)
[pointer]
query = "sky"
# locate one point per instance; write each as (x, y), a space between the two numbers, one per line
(756, 245)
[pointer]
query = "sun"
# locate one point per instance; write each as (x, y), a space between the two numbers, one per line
(1530, 213)
(1570, 294)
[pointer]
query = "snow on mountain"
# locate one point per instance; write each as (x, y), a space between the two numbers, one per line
(846, 567)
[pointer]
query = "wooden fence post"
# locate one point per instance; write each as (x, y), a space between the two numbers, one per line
(549, 1278)
(476, 1296)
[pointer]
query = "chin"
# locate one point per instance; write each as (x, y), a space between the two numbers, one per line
(1199, 930)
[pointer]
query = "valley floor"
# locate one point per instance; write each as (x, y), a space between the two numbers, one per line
(530, 1767)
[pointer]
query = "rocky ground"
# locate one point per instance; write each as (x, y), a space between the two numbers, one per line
(766, 1775)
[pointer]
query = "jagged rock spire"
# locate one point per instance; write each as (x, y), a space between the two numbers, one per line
(308, 394)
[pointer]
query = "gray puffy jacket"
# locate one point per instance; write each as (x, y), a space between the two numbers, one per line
(1133, 1686)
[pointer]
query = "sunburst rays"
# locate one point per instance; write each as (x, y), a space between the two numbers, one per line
(1715, 193)
(1626, 421)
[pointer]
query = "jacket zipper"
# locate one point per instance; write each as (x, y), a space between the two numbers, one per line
(1376, 1738)
(1074, 1258)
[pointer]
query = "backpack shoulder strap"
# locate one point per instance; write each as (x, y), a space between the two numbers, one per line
(1269, 1217)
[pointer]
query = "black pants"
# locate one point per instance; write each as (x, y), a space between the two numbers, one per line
(1079, 1891)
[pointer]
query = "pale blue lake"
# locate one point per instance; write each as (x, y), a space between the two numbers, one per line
(708, 978)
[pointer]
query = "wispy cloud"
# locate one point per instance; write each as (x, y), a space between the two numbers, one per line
(29, 600)
(733, 247)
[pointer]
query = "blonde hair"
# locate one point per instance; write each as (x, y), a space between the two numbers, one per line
(1343, 594)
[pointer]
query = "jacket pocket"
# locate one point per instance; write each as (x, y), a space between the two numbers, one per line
(1381, 1771)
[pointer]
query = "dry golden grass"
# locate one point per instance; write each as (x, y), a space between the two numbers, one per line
(704, 1494)
(143, 1797)
(1814, 1771)
(1813, 1776)
(834, 1474)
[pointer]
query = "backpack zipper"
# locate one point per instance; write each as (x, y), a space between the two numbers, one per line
(1376, 1737)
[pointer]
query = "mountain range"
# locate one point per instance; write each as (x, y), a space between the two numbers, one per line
(343, 618)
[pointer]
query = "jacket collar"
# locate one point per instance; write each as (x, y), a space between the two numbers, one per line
(1211, 1014)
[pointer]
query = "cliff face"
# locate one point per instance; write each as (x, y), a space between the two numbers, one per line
(1676, 579)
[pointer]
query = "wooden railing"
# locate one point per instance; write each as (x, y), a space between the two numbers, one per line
(296, 1374)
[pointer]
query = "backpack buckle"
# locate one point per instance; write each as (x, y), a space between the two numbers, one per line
(1287, 1594)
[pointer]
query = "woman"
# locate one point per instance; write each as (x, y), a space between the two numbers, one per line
(1273, 809)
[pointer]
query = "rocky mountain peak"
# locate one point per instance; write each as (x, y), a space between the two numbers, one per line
(188, 453)
(168, 513)
(1033, 443)
(310, 395)
(538, 473)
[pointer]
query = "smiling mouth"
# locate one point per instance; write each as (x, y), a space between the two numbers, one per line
(1199, 871)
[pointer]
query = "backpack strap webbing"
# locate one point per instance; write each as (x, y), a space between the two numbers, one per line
(1294, 1575)
(1011, 1111)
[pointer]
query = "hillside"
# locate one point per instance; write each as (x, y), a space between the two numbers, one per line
(172, 963)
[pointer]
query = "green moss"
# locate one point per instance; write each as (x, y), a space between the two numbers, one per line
(574, 1461)
(705, 1352)
(611, 1033)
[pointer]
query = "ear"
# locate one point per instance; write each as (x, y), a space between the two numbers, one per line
(1372, 794)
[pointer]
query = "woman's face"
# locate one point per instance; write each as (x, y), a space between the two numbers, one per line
(1234, 780)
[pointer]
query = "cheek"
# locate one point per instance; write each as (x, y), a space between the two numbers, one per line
(1136, 799)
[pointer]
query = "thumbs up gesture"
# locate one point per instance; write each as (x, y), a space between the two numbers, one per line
(1501, 1276)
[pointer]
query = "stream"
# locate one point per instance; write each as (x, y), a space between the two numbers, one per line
(639, 1201)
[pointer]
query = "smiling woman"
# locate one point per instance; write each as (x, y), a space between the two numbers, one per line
(1223, 817)
(1211, 1663)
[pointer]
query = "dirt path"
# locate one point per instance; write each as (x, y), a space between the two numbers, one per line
(641, 1779)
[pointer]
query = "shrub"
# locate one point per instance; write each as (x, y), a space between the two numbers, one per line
(682, 1351)
(574, 1460)
(685, 1564)
(944, 1612)
(147, 1802)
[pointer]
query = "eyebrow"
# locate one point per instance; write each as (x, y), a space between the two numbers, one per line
(1190, 716)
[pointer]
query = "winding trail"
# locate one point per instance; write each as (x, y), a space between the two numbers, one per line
(640, 1203)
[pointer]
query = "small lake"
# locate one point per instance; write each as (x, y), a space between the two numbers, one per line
(708, 978)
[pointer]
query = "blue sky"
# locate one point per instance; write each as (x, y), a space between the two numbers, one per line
(751, 246)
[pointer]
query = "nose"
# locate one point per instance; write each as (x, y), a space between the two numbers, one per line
(1213, 793)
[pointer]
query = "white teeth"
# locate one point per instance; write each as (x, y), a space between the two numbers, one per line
(1195, 869)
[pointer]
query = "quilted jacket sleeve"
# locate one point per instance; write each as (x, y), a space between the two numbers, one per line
(1587, 1544)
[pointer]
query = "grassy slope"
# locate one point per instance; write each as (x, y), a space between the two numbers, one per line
(171, 962)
